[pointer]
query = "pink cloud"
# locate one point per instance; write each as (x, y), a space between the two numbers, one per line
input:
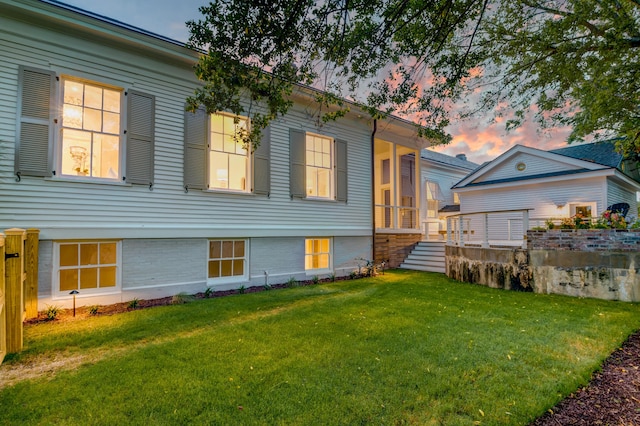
(485, 138)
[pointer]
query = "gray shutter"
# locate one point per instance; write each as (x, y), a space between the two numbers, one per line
(140, 138)
(297, 163)
(36, 95)
(195, 149)
(262, 165)
(341, 170)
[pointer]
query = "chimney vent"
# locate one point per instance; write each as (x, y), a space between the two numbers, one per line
(462, 157)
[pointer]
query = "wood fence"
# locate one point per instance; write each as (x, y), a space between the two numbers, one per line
(18, 286)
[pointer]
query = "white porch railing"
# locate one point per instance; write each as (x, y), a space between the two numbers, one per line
(492, 228)
(396, 217)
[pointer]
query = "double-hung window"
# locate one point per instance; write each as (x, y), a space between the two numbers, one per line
(318, 166)
(76, 128)
(215, 157)
(90, 130)
(229, 159)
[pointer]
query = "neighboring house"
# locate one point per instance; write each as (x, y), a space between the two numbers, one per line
(583, 179)
(134, 198)
(439, 173)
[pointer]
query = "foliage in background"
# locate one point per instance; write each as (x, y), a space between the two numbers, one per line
(607, 220)
(576, 61)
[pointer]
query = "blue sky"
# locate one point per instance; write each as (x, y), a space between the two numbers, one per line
(480, 139)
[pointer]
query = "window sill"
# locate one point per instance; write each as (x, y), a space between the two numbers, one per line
(215, 282)
(228, 192)
(320, 200)
(88, 180)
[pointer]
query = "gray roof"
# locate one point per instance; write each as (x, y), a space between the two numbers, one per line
(603, 152)
(450, 208)
(437, 157)
(527, 177)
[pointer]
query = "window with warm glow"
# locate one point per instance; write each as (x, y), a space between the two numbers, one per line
(91, 128)
(228, 157)
(227, 258)
(319, 164)
(317, 253)
(85, 266)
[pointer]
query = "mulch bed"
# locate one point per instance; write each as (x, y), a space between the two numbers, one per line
(611, 398)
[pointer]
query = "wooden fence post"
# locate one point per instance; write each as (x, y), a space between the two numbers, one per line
(31, 269)
(3, 306)
(14, 282)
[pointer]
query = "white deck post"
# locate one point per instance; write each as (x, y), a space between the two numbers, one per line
(449, 240)
(461, 231)
(485, 224)
(525, 227)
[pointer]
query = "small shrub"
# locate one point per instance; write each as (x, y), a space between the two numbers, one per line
(370, 269)
(93, 310)
(267, 287)
(208, 293)
(315, 279)
(332, 277)
(133, 303)
(52, 312)
(242, 289)
(538, 228)
(292, 282)
(181, 298)
(353, 275)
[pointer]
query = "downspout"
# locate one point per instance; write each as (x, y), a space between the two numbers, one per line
(373, 191)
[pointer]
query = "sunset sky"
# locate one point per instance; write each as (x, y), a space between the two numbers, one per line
(480, 140)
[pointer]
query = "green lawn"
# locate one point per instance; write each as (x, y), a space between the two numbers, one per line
(401, 348)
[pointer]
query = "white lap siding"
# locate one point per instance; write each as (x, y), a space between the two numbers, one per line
(164, 231)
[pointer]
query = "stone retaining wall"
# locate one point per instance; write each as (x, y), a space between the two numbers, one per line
(506, 268)
(600, 263)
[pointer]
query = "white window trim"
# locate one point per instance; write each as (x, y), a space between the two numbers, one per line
(56, 294)
(592, 204)
(57, 154)
(249, 170)
(332, 168)
(319, 270)
(212, 282)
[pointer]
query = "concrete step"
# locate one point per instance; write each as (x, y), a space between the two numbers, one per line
(424, 268)
(427, 250)
(428, 253)
(426, 256)
(425, 262)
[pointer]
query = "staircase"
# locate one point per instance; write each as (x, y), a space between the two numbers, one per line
(426, 256)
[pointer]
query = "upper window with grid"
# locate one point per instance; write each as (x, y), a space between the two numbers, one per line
(229, 160)
(90, 130)
(319, 166)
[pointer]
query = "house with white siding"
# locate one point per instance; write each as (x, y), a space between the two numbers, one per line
(440, 172)
(134, 198)
(529, 185)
